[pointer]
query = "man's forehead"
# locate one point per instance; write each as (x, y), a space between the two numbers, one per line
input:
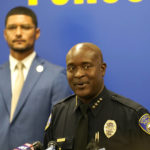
(81, 53)
(19, 18)
(80, 59)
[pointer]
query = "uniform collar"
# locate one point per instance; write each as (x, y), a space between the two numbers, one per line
(96, 103)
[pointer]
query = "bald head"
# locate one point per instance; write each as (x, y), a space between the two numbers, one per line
(84, 47)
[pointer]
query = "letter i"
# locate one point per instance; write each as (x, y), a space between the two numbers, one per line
(32, 2)
(91, 1)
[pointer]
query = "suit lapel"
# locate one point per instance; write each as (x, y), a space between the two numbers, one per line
(30, 82)
(5, 85)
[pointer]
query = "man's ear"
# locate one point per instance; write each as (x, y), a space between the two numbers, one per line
(103, 68)
(37, 33)
(4, 34)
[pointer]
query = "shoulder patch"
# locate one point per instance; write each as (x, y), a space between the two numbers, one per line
(48, 122)
(144, 123)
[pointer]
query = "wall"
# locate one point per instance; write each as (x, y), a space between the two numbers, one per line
(121, 28)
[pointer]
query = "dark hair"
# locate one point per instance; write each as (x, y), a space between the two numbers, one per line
(22, 11)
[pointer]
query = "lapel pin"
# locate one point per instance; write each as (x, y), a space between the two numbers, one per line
(39, 68)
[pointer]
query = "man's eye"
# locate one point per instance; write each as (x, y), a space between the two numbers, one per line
(86, 66)
(70, 68)
(26, 27)
(11, 27)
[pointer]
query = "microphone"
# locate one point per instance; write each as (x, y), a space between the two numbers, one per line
(34, 146)
(94, 145)
(52, 145)
(37, 145)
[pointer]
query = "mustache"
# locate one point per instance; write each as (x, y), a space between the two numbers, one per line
(80, 82)
(18, 40)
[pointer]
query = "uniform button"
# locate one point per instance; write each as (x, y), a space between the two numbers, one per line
(100, 99)
(93, 107)
(96, 104)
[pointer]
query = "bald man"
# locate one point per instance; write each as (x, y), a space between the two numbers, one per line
(95, 118)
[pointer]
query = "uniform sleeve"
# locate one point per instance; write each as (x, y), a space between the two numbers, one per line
(61, 87)
(141, 138)
(47, 138)
(48, 130)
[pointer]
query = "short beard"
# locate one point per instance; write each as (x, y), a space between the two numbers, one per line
(22, 50)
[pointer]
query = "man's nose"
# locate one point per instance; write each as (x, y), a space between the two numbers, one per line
(18, 31)
(79, 72)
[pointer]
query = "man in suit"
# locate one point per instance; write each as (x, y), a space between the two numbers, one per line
(24, 109)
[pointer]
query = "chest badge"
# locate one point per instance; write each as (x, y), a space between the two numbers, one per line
(110, 128)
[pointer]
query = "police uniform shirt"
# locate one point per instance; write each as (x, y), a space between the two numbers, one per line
(112, 117)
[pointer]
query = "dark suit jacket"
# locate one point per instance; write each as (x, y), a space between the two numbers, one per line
(41, 90)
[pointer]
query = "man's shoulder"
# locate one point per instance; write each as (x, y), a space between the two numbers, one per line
(69, 98)
(4, 65)
(127, 103)
(66, 101)
(50, 67)
(48, 63)
(131, 107)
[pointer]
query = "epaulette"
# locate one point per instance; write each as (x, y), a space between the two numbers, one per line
(66, 98)
(126, 102)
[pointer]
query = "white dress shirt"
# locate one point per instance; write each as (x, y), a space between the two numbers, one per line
(27, 63)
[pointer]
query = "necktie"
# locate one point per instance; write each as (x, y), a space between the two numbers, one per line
(17, 89)
(81, 136)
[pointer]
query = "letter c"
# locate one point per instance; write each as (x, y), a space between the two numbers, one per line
(110, 1)
(135, 1)
(60, 2)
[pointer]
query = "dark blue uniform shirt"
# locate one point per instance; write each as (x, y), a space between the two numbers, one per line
(113, 121)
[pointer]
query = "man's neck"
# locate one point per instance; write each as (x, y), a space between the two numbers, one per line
(87, 100)
(20, 56)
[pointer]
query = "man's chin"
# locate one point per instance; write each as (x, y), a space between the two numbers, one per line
(21, 50)
(82, 94)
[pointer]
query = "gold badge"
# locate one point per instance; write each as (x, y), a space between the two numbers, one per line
(110, 128)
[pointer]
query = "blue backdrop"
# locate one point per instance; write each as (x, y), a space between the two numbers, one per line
(121, 28)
